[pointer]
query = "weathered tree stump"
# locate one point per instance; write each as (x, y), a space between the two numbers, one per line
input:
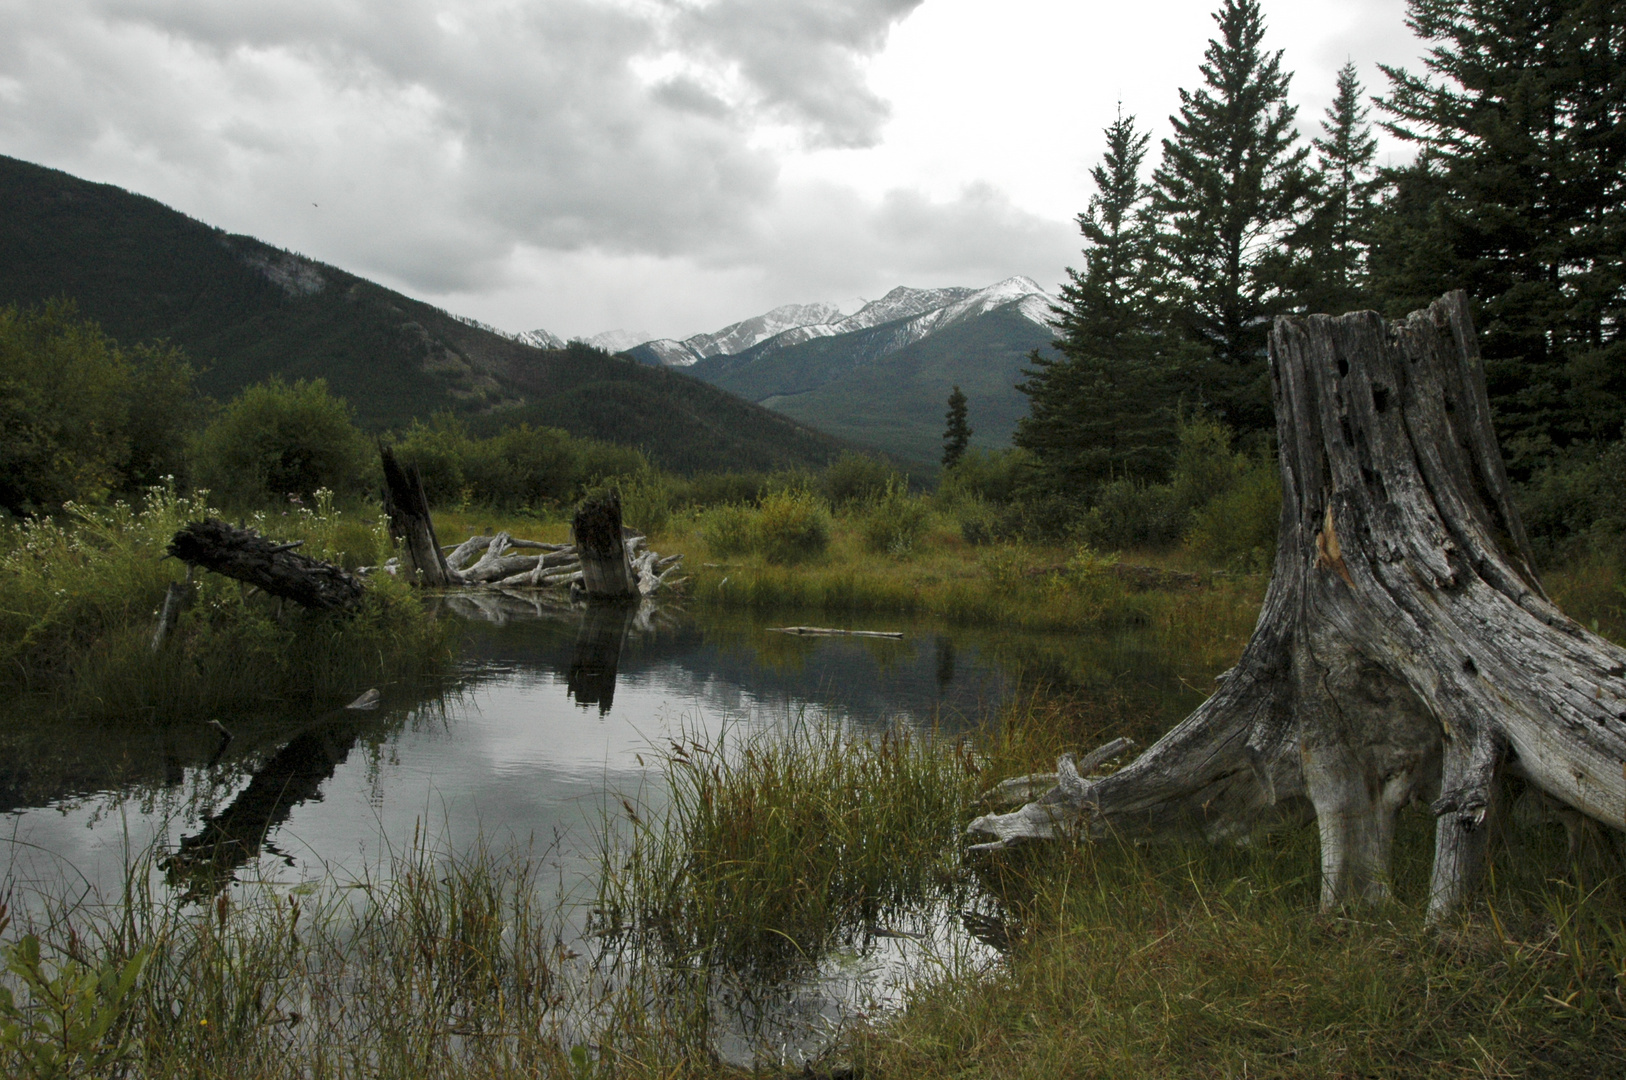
(407, 508)
(1406, 650)
(597, 534)
(276, 569)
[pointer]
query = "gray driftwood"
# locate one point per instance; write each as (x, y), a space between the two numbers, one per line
(276, 569)
(1406, 651)
(407, 508)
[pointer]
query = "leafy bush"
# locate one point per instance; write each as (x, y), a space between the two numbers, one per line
(76, 1017)
(276, 441)
(1239, 526)
(646, 501)
(716, 489)
(857, 478)
(1576, 506)
(519, 467)
(792, 527)
(80, 418)
(893, 522)
(988, 476)
(728, 529)
(1128, 513)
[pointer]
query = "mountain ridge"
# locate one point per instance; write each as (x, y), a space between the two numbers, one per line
(246, 311)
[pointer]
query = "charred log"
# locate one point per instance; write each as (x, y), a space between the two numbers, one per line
(276, 569)
(1406, 651)
(601, 544)
(407, 508)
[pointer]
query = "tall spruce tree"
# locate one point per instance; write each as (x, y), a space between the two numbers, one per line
(1339, 234)
(1518, 195)
(956, 430)
(1101, 408)
(1234, 189)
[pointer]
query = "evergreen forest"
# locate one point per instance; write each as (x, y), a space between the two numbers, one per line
(1513, 192)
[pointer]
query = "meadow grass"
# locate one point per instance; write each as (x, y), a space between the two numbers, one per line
(79, 600)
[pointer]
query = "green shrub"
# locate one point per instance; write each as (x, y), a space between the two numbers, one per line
(646, 501)
(82, 419)
(728, 529)
(856, 479)
(1576, 506)
(1239, 526)
(893, 522)
(716, 489)
(521, 467)
(276, 441)
(989, 476)
(791, 527)
(1128, 513)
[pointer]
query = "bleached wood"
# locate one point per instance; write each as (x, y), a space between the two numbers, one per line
(1406, 651)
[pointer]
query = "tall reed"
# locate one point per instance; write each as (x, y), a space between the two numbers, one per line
(772, 845)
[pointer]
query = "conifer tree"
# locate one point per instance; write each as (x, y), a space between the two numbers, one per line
(1518, 195)
(1339, 234)
(1101, 408)
(1234, 189)
(957, 433)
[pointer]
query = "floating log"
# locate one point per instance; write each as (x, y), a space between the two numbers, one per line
(407, 508)
(825, 631)
(597, 532)
(275, 569)
(1406, 651)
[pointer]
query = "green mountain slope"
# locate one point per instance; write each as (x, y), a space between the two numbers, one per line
(245, 311)
(894, 401)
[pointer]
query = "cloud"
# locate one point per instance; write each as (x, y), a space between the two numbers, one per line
(430, 141)
(803, 58)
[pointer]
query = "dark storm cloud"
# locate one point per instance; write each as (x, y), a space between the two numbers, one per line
(439, 137)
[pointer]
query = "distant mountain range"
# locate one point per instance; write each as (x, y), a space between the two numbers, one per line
(881, 375)
(246, 311)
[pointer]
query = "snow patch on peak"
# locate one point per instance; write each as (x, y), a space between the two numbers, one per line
(541, 339)
(619, 340)
(737, 337)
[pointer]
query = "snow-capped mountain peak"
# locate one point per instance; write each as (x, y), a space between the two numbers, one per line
(919, 312)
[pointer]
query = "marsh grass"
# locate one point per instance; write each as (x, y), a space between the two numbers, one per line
(772, 846)
(1160, 960)
(443, 965)
(79, 599)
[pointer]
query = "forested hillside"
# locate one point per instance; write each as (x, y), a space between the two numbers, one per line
(896, 401)
(244, 311)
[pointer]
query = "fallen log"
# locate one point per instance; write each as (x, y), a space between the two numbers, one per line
(275, 569)
(1406, 651)
(825, 631)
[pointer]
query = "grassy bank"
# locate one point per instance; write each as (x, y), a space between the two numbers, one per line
(79, 599)
(1165, 960)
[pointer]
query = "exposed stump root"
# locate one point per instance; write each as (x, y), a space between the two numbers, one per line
(1406, 651)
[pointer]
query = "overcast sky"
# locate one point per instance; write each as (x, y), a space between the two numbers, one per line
(663, 165)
